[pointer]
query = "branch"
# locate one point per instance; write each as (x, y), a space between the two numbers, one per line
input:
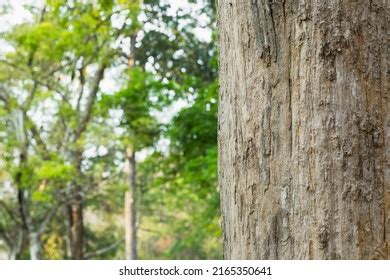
(4, 97)
(22, 211)
(8, 63)
(82, 83)
(90, 101)
(30, 98)
(34, 131)
(103, 250)
(46, 220)
(149, 230)
(6, 237)
(9, 212)
(36, 135)
(51, 87)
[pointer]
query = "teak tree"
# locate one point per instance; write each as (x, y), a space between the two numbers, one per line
(304, 129)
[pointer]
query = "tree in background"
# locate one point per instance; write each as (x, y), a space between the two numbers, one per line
(142, 130)
(179, 183)
(51, 82)
(64, 135)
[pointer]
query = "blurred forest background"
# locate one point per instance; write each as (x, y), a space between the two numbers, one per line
(99, 98)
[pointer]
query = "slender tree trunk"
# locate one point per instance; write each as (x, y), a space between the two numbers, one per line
(131, 208)
(67, 212)
(304, 129)
(29, 228)
(131, 195)
(77, 226)
(35, 245)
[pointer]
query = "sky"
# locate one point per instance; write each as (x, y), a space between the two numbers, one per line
(18, 15)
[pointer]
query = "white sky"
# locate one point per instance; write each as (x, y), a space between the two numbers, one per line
(18, 15)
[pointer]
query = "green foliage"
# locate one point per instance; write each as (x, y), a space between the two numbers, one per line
(58, 143)
(179, 185)
(53, 246)
(55, 170)
(184, 182)
(38, 196)
(193, 130)
(135, 100)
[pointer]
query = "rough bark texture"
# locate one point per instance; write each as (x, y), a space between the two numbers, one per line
(131, 209)
(304, 129)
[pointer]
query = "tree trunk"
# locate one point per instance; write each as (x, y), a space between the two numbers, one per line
(67, 212)
(35, 245)
(131, 208)
(304, 129)
(76, 226)
(131, 195)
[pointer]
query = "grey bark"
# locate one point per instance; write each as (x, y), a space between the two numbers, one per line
(131, 208)
(36, 232)
(304, 129)
(131, 204)
(35, 246)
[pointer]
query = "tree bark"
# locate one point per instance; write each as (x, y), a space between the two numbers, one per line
(77, 226)
(304, 129)
(131, 195)
(35, 245)
(131, 208)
